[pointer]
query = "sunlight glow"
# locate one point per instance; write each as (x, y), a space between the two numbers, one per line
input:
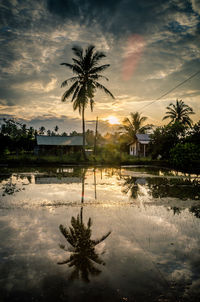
(112, 120)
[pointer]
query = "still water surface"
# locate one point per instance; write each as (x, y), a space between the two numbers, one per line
(99, 234)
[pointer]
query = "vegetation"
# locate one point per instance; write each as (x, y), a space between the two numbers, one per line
(85, 82)
(134, 125)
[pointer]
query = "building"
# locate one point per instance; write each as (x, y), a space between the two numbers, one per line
(58, 144)
(139, 146)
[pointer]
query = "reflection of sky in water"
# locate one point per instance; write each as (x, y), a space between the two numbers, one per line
(153, 249)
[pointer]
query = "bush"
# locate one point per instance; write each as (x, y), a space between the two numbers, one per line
(185, 156)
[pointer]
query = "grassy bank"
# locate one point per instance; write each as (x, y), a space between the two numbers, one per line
(24, 159)
(72, 159)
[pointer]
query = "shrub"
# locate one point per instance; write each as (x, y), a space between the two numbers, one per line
(185, 156)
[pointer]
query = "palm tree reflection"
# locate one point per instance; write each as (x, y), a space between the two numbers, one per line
(130, 185)
(83, 255)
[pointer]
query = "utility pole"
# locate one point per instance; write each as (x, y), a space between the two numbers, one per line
(95, 139)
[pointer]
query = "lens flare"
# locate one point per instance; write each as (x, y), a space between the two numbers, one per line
(132, 56)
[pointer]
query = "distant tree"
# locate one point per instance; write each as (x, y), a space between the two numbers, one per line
(74, 133)
(64, 134)
(133, 125)
(41, 130)
(85, 82)
(31, 132)
(56, 128)
(179, 113)
(49, 132)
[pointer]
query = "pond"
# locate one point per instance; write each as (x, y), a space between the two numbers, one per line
(99, 234)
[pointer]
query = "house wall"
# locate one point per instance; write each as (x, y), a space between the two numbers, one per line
(133, 149)
(138, 149)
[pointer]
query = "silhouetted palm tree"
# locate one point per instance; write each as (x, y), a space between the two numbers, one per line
(179, 113)
(85, 82)
(56, 128)
(133, 125)
(83, 254)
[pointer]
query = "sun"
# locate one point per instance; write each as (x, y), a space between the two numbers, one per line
(112, 120)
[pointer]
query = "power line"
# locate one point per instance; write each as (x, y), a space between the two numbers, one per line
(180, 84)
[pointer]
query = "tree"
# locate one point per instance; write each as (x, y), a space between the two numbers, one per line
(87, 71)
(164, 138)
(179, 113)
(41, 130)
(133, 125)
(56, 128)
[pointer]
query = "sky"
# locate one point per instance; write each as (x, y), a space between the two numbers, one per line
(151, 46)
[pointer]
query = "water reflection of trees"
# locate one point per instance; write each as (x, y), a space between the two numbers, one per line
(195, 210)
(131, 186)
(176, 188)
(163, 187)
(83, 254)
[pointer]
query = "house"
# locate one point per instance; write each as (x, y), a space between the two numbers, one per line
(139, 146)
(58, 144)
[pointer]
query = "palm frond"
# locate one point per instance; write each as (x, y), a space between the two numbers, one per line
(78, 51)
(100, 86)
(97, 77)
(69, 91)
(70, 80)
(99, 68)
(75, 68)
(102, 238)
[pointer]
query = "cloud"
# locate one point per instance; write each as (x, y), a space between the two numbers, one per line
(36, 37)
(196, 6)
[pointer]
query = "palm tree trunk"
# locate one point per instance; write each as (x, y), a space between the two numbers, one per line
(83, 127)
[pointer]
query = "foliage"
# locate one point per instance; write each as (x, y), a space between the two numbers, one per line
(133, 125)
(16, 137)
(184, 156)
(165, 138)
(179, 113)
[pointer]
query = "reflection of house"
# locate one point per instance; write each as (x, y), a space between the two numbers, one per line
(139, 146)
(58, 144)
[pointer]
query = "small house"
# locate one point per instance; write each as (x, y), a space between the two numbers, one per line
(139, 146)
(58, 144)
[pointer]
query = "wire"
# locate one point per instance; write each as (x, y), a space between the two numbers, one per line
(180, 84)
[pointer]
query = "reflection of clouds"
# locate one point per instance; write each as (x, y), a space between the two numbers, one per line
(141, 235)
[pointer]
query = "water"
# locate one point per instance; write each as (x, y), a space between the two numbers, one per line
(85, 234)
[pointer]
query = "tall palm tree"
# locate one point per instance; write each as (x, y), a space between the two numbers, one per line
(179, 113)
(133, 125)
(87, 71)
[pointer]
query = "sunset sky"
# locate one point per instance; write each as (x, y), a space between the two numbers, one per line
(151, 46)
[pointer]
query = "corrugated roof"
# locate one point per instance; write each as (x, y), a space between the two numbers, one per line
(143, 137)
(59, 140)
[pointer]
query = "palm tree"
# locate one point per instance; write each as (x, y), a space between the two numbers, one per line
(85, 82)
(56, 128)
(179, 113)
(133, 125)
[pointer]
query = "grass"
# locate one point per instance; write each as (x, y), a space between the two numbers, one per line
(77, 159)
